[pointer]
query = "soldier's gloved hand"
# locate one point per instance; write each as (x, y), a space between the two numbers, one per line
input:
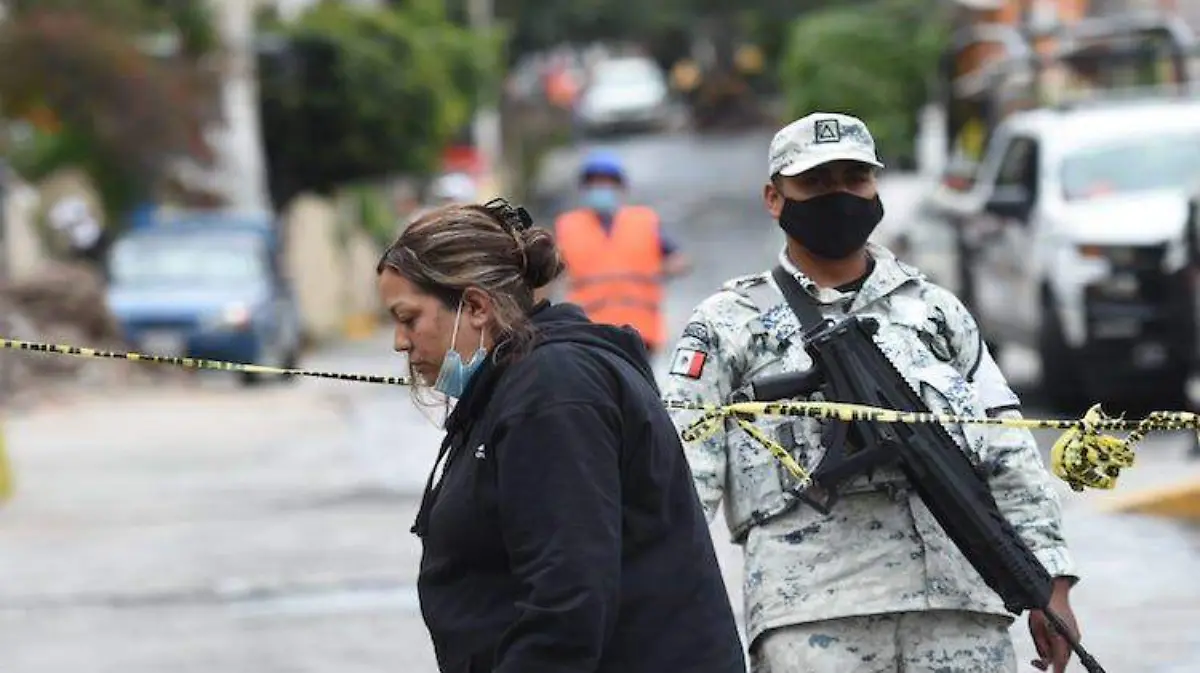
(1052, 648)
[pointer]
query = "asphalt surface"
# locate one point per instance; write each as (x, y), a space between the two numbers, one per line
(223, 530)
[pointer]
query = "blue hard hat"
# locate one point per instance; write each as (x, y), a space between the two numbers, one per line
(602, 163)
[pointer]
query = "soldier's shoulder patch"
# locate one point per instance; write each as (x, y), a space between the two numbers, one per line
(746, 282)
(910, 270)
(698, 332)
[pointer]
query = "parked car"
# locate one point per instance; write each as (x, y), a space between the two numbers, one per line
(206, 285)
(626, 93)
(1071, 239)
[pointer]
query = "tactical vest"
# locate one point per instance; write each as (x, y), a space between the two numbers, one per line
(757, 483)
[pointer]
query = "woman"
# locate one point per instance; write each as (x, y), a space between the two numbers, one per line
(564, 533)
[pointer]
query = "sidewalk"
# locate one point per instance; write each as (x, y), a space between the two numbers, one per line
(227, 530)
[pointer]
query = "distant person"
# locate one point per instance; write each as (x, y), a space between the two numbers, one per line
(617, 255)
(563, 534)
(447, 189)
(74, 220)
(453, 188)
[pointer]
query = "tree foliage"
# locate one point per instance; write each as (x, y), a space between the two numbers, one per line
(875, 62)
(351, 93)
(188, 20)
(666, 28)
(97, 99)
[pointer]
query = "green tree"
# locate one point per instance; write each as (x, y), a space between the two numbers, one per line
(877, 62)
(81, 72)
(350, 93)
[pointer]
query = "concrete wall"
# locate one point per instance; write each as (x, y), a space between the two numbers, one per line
(362, 302)
(25, 206)
(332, 268)
(26, 253)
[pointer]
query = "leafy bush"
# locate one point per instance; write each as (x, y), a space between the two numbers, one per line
(875, 62)
(358, 93)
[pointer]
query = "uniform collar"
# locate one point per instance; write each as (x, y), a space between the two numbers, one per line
(888, 276)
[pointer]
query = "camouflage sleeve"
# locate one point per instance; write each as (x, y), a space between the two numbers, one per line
(1024, 489)
(700, 372)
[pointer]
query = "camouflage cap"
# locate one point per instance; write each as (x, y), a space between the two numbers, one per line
(817, 139)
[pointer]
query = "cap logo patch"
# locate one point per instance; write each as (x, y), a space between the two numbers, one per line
(828, 131)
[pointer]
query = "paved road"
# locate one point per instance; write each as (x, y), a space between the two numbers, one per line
(220, 530)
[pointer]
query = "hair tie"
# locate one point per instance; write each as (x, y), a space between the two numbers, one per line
(515, 219)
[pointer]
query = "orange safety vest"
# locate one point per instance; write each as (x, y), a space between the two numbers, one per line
(616, 277)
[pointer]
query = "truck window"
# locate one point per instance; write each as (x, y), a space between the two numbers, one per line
(1169, 161)
(1019, 166)
(193, 261)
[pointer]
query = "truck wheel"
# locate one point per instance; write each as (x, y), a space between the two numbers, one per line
(1173, 395)
(249, 380)
(290, 361)
(1060, 378)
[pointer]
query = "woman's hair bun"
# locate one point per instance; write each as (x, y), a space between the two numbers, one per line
(543, 264)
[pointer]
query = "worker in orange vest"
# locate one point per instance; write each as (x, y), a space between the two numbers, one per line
(617, 256)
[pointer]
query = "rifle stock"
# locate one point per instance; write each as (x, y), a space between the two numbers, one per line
(849, 367)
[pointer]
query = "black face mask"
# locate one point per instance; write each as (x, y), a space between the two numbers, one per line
(831, 226)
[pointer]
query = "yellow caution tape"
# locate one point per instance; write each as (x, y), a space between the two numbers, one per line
(196, 363)
(1083, 456)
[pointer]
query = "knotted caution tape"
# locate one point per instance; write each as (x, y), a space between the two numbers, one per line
(1084, 456)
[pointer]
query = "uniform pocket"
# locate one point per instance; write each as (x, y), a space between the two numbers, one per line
(758, 482)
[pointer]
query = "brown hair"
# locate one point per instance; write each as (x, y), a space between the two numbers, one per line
(456, 247)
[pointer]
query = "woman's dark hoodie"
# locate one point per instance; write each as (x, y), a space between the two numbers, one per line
(565, 534)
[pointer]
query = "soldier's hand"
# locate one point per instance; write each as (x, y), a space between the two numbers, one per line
(1052, 648)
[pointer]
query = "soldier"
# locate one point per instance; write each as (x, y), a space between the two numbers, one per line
(876, 585)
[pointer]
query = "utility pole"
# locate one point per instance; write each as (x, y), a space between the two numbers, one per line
(486, 125)
(239, 141)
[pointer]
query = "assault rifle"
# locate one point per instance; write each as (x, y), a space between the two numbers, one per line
(849, 367)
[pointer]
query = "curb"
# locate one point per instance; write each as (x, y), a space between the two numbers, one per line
(1180, 500)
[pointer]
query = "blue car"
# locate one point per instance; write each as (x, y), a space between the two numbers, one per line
(205, 286)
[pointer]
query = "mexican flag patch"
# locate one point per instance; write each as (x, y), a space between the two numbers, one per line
(689, 363)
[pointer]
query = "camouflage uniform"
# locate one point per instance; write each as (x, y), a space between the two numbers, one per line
(810, 579)
(907, 641)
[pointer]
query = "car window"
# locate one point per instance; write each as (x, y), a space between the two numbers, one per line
(170, 261)
(1156, 162)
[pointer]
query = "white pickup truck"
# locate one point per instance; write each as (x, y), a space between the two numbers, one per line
(1071, 239)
